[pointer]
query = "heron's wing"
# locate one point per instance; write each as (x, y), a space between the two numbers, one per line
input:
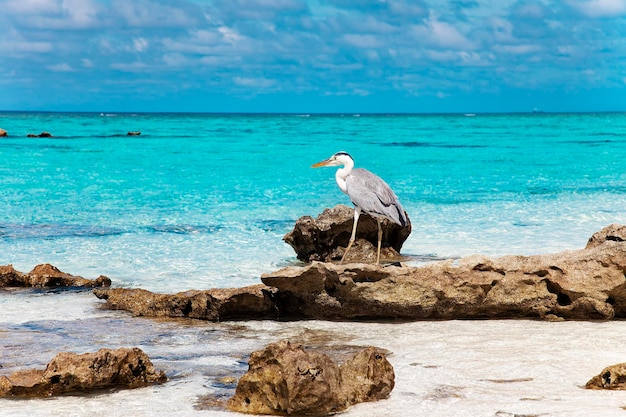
(374, 196)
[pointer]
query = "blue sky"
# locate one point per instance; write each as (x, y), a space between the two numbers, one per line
(313, 56)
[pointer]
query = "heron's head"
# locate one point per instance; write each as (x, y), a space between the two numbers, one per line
(338, 159)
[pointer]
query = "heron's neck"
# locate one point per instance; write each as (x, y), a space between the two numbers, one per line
(342, 174)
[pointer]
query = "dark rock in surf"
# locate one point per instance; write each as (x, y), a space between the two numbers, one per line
(70, 372)
(46, 275)
(325, 238)
(285, 379)
(133, 133)
(3, 133)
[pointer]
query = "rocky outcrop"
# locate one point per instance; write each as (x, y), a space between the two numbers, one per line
(253, 302)
(46, 275)
(3, 133)
(71, 372)
(325, 238)
(584, 284)
(612, 377)
(285, 379)
(587, 284)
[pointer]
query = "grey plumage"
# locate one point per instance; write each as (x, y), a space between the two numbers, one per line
(374, 196)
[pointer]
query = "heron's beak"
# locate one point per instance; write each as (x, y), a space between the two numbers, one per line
(323, 163)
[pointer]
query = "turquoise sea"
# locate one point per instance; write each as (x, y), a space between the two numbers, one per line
(203, 200)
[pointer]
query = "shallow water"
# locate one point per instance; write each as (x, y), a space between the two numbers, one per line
(202, 201)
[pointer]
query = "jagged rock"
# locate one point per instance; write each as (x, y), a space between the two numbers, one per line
(611, 377)
(285, 379)
(584, 284)
(3, 133)
(587, 284)
(70, 372)
(325, 238)
(217, 304)
(46, 275)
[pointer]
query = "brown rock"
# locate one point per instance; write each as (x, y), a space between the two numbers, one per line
(71, 372)
(326, 237)
(285, 379)
(367, 376)
(587, 284)
(46, 275)
(253, 302)
(584, 284)
(612, 377)
(3, 133)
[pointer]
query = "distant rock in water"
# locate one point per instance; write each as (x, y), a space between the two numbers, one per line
(285, 379)
(46, 275)
(3, 133)
(70, 372)
(325, 238)
(41, 135)
(133, 133)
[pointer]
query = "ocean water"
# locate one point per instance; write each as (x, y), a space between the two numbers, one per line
(201, 201)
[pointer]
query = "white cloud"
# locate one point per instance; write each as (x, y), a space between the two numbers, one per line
(254, 82)
(601, 8)
(63, 67)
(363, 41)
(140, 44)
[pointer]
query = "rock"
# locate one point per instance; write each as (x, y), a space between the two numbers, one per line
(584, 284)
(253, 302)
(46, 275)
(587, 284)
(41, 135)
(3, 133)
(326, 237)
(612, 377)
(285, 379)
(135, 133)
(367, 376)
(71, 372)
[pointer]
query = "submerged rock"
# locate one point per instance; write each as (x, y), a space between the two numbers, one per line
(70, 372)
(46, 275)
(285, 379)
(325, 238)
(611, 377)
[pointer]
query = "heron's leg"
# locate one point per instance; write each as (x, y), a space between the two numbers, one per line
(380, 238)
(357, 213)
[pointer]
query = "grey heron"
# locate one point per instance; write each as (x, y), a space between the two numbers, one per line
(368, 192)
